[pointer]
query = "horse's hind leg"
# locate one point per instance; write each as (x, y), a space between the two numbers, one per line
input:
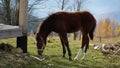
(63, 46)
(86, 48)
(80, 51)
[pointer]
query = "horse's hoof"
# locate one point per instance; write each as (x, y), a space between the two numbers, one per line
(75, 58)
(70, 59)
(63, 55)
(83, 58)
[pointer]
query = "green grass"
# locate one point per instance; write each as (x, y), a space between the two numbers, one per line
(52, 56)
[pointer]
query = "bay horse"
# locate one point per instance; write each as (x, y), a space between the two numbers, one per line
(63, 23)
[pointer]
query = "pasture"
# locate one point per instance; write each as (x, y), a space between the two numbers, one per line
(52, 56)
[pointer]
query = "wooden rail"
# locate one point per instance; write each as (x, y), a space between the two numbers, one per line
(9, 31)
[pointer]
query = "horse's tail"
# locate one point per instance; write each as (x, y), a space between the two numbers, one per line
(91, 35)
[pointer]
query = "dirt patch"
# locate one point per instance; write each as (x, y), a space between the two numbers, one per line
(10, 48)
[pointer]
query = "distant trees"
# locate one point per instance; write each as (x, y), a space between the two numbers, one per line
(31, 7)
(106, 28)
(9, 11)
(78, 5)
(33, 3)
(62, 4)
(118, 30)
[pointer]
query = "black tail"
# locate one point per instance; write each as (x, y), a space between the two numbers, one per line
(91, 35)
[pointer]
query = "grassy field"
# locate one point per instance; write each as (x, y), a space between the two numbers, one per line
(52, 56)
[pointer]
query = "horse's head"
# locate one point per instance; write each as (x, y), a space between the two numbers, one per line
(40, 44)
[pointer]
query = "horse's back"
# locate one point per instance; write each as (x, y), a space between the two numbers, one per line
(74, 17)
(73, 21)
(66, 22)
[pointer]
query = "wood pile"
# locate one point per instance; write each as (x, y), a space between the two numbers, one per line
(108, 48)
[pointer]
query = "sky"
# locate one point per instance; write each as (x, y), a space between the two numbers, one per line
(96, 7)
(99, 7)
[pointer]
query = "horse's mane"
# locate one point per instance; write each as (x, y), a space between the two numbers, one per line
(47, 19)
(38, 28)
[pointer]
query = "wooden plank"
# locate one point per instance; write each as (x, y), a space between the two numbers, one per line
(8, 31)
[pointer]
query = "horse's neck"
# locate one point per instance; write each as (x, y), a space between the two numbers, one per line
(46, 29)
(44, 33)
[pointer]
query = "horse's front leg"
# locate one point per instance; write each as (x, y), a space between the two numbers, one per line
(63, 46)
(64, 49)
(65, 42)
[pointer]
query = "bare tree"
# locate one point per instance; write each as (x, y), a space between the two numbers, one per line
(32, 5)
(15, 12)
(62, 4)
(9, 11)
(78, 4)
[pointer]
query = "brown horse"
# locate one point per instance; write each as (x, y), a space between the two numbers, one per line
(63, 23)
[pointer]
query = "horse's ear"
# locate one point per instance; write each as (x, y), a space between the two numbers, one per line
(36, 34)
